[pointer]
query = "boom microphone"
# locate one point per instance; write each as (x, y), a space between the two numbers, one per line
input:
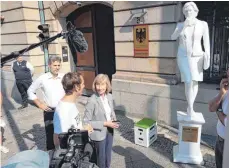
(75, 39)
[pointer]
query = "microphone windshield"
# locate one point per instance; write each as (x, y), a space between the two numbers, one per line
(76, 38)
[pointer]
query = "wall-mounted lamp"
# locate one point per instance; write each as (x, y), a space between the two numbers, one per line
(138, 14)
(78, 3)
(2, 19)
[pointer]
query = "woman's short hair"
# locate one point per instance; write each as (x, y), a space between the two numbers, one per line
(193, 5)
(101, 78)
(54, 58)
(70, 80)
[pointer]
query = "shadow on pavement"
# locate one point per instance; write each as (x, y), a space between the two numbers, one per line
(137, 158)
(35, 135)
(208, 140)
(126, 127)
(209, 160)
(7, 106)
(164, 146)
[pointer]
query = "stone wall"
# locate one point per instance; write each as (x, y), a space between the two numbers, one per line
(161, 18)
(14, 33)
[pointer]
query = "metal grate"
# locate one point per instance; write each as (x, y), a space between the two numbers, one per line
(217, 16)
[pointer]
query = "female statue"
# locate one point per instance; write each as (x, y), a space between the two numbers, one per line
(191, 58)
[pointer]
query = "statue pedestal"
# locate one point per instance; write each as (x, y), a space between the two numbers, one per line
(188, 148)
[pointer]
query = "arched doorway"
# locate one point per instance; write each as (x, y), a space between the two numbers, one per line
(96, 23)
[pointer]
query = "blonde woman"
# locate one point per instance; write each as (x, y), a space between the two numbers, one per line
(100, 115)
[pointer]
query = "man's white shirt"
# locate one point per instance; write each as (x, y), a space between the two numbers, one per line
(52, 89)
(225, 107)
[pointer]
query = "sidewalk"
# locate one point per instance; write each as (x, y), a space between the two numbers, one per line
(25, 130)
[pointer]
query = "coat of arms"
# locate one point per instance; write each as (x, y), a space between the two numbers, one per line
(140, 34)
(141, 41)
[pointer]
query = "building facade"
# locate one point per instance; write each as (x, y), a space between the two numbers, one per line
(142, 86)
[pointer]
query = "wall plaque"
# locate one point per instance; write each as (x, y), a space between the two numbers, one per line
(141, 41)
(65, 53)
(190, 134)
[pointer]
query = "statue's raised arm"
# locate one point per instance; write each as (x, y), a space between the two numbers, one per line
(177, 31)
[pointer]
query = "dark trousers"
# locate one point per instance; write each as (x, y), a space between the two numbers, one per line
(49, 130)
(23, 86)
(219, 152)
(103, 151)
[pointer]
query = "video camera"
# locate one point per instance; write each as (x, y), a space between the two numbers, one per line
(75, 151)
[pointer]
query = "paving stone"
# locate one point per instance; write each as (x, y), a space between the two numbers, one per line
(122, 159)
(25, 130)
(179, 165)
(146, 164)
(122, 165)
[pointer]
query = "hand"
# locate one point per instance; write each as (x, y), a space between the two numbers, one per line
(224, 86)
(45, 107)
(185, 23)
(182, 28)
(89, 128)
(189, 21)
(111, 124)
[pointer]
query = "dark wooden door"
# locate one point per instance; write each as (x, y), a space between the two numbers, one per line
(96, 23)
(85, 62)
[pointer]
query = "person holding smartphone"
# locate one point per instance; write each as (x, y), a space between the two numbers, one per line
(220, 105)
(99, 113)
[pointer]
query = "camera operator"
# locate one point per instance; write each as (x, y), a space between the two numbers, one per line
(67, 114)
(220, 105)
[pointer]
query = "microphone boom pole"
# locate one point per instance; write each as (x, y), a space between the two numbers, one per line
(13, 55)
(73, 36)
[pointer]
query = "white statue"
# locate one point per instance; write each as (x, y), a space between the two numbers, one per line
(191, 58)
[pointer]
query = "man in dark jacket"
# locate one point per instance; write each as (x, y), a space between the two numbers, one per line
(23, 72)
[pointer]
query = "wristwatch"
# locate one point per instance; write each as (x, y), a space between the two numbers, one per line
(220, 110)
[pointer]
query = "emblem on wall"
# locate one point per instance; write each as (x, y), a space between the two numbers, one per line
(140, 34)
(141, 41)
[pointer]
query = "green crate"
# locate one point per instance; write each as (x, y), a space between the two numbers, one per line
(145, 123)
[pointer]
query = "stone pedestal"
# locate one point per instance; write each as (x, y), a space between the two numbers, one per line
(188, 148)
